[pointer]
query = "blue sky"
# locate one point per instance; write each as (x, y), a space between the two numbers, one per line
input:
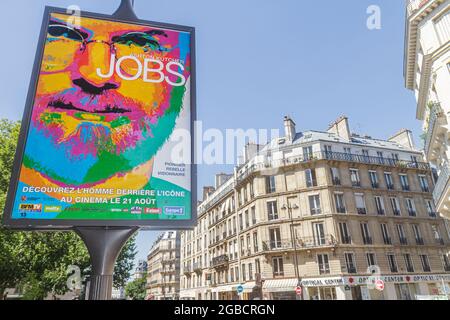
(258, 60)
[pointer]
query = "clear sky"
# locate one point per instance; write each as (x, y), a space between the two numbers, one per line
(257, 60)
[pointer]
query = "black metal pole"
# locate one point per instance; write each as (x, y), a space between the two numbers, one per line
(104, 245)
(125, 10)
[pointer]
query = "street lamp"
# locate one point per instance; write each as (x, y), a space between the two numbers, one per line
(289, 208)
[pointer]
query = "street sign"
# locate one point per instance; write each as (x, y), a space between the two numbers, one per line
(298, 290)
(240, 289)
(379, 285)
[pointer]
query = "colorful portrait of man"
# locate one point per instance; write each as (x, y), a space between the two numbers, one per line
(107, 99)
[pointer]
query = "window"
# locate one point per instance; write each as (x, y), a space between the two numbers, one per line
(354, 177)
(436, 234)
(314, 204)
(327, 148)
(250, 271)
(424, 183)
(404, 182)
(380, 157)
(365, 233)
(395, 206)
(371, 261)
(310, 176)
(241, 223)
(379, 203)
(417, 234)
(392, 262)
(373, 179)
(408, 262)
(347, 150)
(249, 245)
(253, 211)
(350, 262)
(275, 238)
(430, 208)
(425, 263)
(335, 177)
(446, 262)
(232, 275)
(257, 266)
(307, 153)
(319, 234)
(345, 235)
(244, 274)
(255, 242)
(340, 204)
(388, 180)
(278, 269)
(247, 221)
(385, 233)
(272, 210)
(252, 192)
(411, 207)
(365, 154)
(360, 203)
(401, 234)
(324, 266)
(270, 184)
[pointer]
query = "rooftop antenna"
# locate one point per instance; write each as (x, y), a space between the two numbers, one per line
(126, 11)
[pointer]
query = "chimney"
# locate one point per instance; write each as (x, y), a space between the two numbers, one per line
(404, 138)
(206, 191)
(340, 128)
(289, 128)
(221, 178)
(250, 150)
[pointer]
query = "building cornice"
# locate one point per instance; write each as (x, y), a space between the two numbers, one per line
(412, 22)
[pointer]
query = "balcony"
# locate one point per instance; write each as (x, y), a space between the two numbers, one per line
(425, 188)
(387, 240)
(447, 268)
(361, 210)
(187, 270)
(432, 214)
(412, 213)
(220, 261)
(197, 267)
(330, 156)
(341, 210)
(435, 122)
(442, 187)
(336, 181)
(351, 269)
(367, 240)
(440, 241)
(403, 241)
(300, 243)
(346, 240)
(396, 212)
(405, 187)
(356, 184)
(420, 242)
(375, 185)
(390, 186)
(380, 212)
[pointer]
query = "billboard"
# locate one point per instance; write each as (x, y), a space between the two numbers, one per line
(106, 96)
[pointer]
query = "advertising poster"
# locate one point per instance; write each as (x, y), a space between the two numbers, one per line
(108, 97)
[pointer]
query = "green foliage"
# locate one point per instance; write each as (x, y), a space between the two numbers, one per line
(37, 262)
(135, 290)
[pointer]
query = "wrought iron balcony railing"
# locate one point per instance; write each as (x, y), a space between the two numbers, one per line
(442, 184)
(435, 113)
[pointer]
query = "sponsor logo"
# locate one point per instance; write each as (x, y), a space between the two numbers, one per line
(136, 210)
(152, 210)
(116, 210)
(178, 211)
(52, 208)
(125, 210)
(25, 207)
(25, 198)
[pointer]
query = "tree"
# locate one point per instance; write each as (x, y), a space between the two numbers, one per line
(37, 262)
(135, 290)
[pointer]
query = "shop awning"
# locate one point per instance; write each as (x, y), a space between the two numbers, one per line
(274, 285)
(225, 288)
(187, 294)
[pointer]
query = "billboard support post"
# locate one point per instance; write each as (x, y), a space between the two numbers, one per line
(104, 245)
(125, 10)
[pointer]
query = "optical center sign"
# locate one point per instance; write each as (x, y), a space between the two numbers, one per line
(95, 143)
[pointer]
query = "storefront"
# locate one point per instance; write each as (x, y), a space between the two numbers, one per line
(279, 289)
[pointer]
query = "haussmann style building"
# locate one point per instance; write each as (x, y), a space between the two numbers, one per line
(329, 210)
(427, 73)
(163, 267)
